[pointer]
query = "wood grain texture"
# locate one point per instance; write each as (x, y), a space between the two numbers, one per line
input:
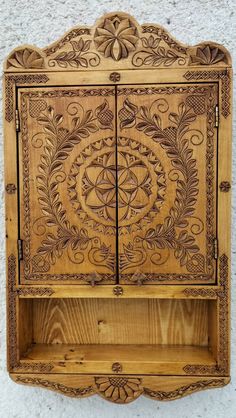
(87, 339)
(153, 359)
(131, 321)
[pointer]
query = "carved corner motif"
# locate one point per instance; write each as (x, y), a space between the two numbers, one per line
(11, 81)
(222, 366)
(208, 55)
(223, 76)
(25, 58)
(117, 37)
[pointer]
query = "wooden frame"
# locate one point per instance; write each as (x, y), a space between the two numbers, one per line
(131, 53)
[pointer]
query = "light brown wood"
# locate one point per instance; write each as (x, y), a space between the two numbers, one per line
(166, 144)
(99, 321)
(67, 138)
(118, 177)
(122, 389)
(91, 358)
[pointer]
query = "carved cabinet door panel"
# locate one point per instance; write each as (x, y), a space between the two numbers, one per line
(167, 149)
(67, 184)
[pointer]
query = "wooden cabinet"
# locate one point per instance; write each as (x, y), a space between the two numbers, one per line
(117, 161)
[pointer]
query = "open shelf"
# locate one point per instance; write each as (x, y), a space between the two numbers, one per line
(160, 336)
(94, 358)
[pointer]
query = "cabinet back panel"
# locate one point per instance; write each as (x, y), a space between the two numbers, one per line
(117, 321)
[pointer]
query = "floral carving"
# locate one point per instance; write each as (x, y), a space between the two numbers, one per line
(155, 54)
(183, 238)
(25, 58)
(104, 115)
(57, 145)
(135, 194)
(172, 140)
(80, 56)
(116, 37)
(127, 114)
(207, 55)
(119, 389)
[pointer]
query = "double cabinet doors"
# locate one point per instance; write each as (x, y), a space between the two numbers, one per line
(118, 183)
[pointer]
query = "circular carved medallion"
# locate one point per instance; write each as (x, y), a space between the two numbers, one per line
(141, 185)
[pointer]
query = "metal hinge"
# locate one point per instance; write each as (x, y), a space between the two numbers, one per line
(17, 120)
(20, 249)
(215, 248)
(216, 116)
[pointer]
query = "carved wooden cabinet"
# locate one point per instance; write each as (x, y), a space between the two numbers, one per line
(117, 160)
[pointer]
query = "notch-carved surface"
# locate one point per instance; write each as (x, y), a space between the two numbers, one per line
(117, 41)
(117, 181)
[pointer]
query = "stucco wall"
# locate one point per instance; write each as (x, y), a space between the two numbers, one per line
(40, 23)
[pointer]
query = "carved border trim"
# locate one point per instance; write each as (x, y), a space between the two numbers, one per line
(12, 321)
(35, 291)
(11, 81)
(113, 388)
(222, 75)
(14, 363)
(184, 390)
(221, 368)
(65, 390)
(70, 35)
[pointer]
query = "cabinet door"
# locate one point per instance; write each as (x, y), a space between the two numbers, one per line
(167, 149)
(67, 184)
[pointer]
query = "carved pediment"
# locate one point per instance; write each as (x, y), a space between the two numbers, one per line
(116, 41)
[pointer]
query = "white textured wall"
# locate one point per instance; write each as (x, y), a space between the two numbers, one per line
(42, 22)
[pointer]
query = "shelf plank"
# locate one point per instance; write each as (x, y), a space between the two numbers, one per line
(93, 358)
(129, 291)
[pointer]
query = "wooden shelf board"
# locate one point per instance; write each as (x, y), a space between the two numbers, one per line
(94, 358)
(107, 291)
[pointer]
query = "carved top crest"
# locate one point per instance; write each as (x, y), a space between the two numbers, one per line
(116, 41)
